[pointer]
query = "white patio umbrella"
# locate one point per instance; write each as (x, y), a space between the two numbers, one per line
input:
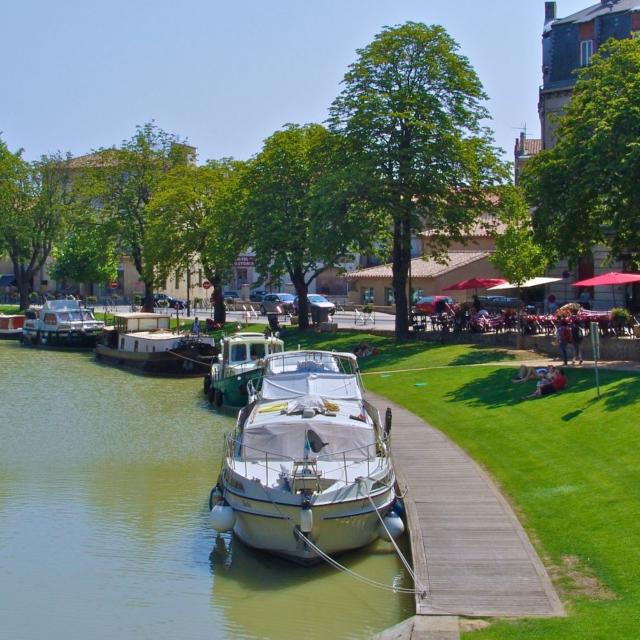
(533, 282)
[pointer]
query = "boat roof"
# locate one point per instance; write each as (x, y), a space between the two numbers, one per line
(252, 336)
(139, 315)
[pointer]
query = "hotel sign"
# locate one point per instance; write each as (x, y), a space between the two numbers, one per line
(245, 261)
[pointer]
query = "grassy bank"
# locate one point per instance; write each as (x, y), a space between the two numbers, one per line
(568, 462)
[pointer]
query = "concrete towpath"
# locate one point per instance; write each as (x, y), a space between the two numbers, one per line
(470, 553)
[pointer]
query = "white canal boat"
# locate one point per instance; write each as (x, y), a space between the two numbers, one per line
(61, 323)
(307, 470)
(144, 341)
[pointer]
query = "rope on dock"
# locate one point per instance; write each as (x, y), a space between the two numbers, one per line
(179, 355)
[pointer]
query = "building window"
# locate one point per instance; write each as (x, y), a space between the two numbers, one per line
(199, 277)
(416, 294)
(586, 51)
(367, 295)
(177, 279)
(389, 296)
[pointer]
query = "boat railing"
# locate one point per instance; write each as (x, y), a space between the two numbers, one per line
(239, 455)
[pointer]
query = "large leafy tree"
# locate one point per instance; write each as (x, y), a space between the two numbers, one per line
(121, 182)
(412, 107)
(87, 253)
(35, 207)
(197, 217)
(585, 189)
(303, 207)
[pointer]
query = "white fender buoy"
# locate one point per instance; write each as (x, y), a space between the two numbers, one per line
(222, 518)
(306, 520)
(394, 526)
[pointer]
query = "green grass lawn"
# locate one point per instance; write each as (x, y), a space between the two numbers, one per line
(9, 309)
(568, 462)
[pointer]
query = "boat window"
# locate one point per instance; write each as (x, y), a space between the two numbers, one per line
(257, 351)
(122, 343)
(238, 352)
(135, 345)
(50, 318)
(87, 315)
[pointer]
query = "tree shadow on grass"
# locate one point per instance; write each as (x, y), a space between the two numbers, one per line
(624, 388)
(481, 355)
(496, 389)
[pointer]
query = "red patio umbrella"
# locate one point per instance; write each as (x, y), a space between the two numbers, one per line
(475, 283)
(611, 279)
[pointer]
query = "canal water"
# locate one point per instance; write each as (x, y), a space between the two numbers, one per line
(104, 481)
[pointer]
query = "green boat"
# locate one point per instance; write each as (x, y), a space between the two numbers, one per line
(238, 364)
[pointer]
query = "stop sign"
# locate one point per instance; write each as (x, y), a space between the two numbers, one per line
(206, 284)
(113, 284)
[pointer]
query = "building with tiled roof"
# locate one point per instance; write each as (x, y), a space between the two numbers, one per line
(428, 276)
(525, 149)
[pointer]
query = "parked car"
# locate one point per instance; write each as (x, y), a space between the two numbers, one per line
(174, 303)
(317, 303)
(428, 304)
(230, 296)
(497, 303)
(277, 303)
(257, 295)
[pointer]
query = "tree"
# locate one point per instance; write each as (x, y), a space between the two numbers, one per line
(35, 205)
(86, 254)
(301, 207)
(412, 108)
(202, 206)
(517, 256)
(120, 183)
(584, 189)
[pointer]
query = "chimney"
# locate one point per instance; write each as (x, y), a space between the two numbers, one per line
(523, 136)
(550, 11)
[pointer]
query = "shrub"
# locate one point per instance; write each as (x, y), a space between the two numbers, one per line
(620, 315)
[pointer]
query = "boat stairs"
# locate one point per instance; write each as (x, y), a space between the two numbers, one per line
(471, 556)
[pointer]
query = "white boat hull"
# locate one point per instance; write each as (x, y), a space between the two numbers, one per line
(337, 527)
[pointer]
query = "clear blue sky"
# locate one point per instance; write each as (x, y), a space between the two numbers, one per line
(80, 74)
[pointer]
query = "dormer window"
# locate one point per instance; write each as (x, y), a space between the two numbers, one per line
(586, 51)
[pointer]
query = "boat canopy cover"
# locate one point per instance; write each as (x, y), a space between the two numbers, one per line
(320, 438)
(338, 386)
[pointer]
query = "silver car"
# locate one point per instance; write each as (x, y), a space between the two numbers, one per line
(277, 303)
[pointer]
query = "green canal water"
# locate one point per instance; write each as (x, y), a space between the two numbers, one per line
(104, 480)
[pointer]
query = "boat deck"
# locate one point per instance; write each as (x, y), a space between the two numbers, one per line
(469, 550)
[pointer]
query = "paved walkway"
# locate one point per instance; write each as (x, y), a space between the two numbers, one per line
(470, 552)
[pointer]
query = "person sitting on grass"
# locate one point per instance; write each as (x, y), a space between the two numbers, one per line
(533, 373)
(558, 383)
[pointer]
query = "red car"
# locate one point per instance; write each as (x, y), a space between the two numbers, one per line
(428, 304)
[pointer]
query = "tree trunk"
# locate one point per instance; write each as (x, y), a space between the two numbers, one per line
(219, 310)
(23, 278)
(302, 288)
(400, 269)
(148, 304)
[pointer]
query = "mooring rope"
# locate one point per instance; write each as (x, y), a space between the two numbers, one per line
(179, 355)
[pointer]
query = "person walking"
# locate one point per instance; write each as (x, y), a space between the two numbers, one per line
(563, 335)
(577, 336)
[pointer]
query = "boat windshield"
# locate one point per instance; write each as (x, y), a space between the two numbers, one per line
(310, 362)
(87, 315)
(69, 316)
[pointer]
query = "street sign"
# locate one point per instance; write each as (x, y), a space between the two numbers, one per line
(113, 284)
(206, 284)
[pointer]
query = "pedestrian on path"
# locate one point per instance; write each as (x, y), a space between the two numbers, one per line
(577, 336)
(563, 335)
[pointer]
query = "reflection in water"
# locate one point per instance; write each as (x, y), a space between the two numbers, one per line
(104, 479)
